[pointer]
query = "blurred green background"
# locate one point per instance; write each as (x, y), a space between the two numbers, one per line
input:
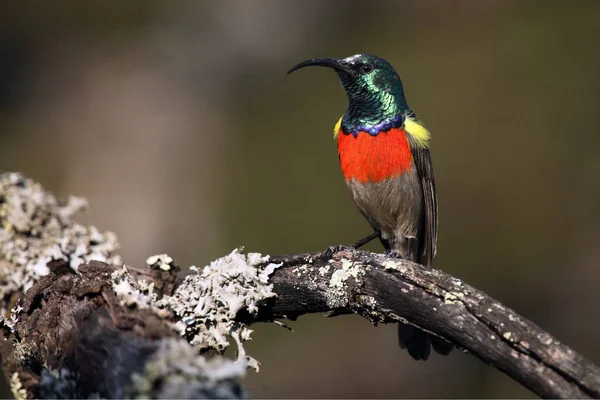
(176, 121)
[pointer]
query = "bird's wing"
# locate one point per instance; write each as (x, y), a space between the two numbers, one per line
(428, 245)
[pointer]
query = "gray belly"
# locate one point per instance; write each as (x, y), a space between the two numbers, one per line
(393, 207)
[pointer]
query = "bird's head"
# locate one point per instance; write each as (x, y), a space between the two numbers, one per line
(373, 87)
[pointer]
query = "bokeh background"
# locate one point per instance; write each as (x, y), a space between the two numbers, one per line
(176, 121)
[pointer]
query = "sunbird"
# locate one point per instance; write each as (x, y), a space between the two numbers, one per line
(384, 154)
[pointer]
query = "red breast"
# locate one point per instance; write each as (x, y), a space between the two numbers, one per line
(373, 158)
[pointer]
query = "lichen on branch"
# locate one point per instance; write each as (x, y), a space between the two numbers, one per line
(46, 253)
(36, 229)
(75, 308)
(205, 305)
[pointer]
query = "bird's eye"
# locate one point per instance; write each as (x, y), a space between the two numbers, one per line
(366, 68)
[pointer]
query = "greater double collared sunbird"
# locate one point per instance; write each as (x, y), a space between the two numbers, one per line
(384, 154)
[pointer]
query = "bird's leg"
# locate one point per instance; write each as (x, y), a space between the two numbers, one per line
(409, 247)
(361, 242)
(327, 254)
(412, 247)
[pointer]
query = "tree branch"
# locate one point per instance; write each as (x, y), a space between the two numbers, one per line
(78, 327)
(74, 327)
(384, 290)
(74, 338)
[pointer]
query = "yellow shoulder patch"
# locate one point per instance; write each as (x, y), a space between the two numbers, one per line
(337, 127)
(418, 132)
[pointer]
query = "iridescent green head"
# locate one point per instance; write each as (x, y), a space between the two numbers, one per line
(374, 90)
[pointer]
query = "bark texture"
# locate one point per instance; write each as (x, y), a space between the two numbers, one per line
(76, 327)
(384, 290)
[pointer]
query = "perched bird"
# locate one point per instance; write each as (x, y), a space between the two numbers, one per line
(384, 155)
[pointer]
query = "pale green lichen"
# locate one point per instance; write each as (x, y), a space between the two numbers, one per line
(207, 301)
(17, 388)
(339, 279)
(301, 270)
(394, 265)
(371, 309)
(175, 370)
(161, 261)
(456, 281)
(369, 301)
(453, 297)
(133, 292)
(340, 276)
(12, 320)
(324, 270)
(36, 229)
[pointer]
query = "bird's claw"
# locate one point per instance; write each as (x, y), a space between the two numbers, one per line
(331, 250)
(394, 254)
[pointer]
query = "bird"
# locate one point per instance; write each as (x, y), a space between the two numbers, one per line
(383, 150)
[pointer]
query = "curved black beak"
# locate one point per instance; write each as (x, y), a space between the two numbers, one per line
(324, 62)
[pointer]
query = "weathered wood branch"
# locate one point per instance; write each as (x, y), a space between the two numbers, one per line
(74, 338)
(73, 327)
(83, 328)
(384, 289)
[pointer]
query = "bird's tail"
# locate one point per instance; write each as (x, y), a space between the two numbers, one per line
(418, 343)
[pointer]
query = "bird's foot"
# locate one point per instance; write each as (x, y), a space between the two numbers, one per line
(395, 254)
(331, 250)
